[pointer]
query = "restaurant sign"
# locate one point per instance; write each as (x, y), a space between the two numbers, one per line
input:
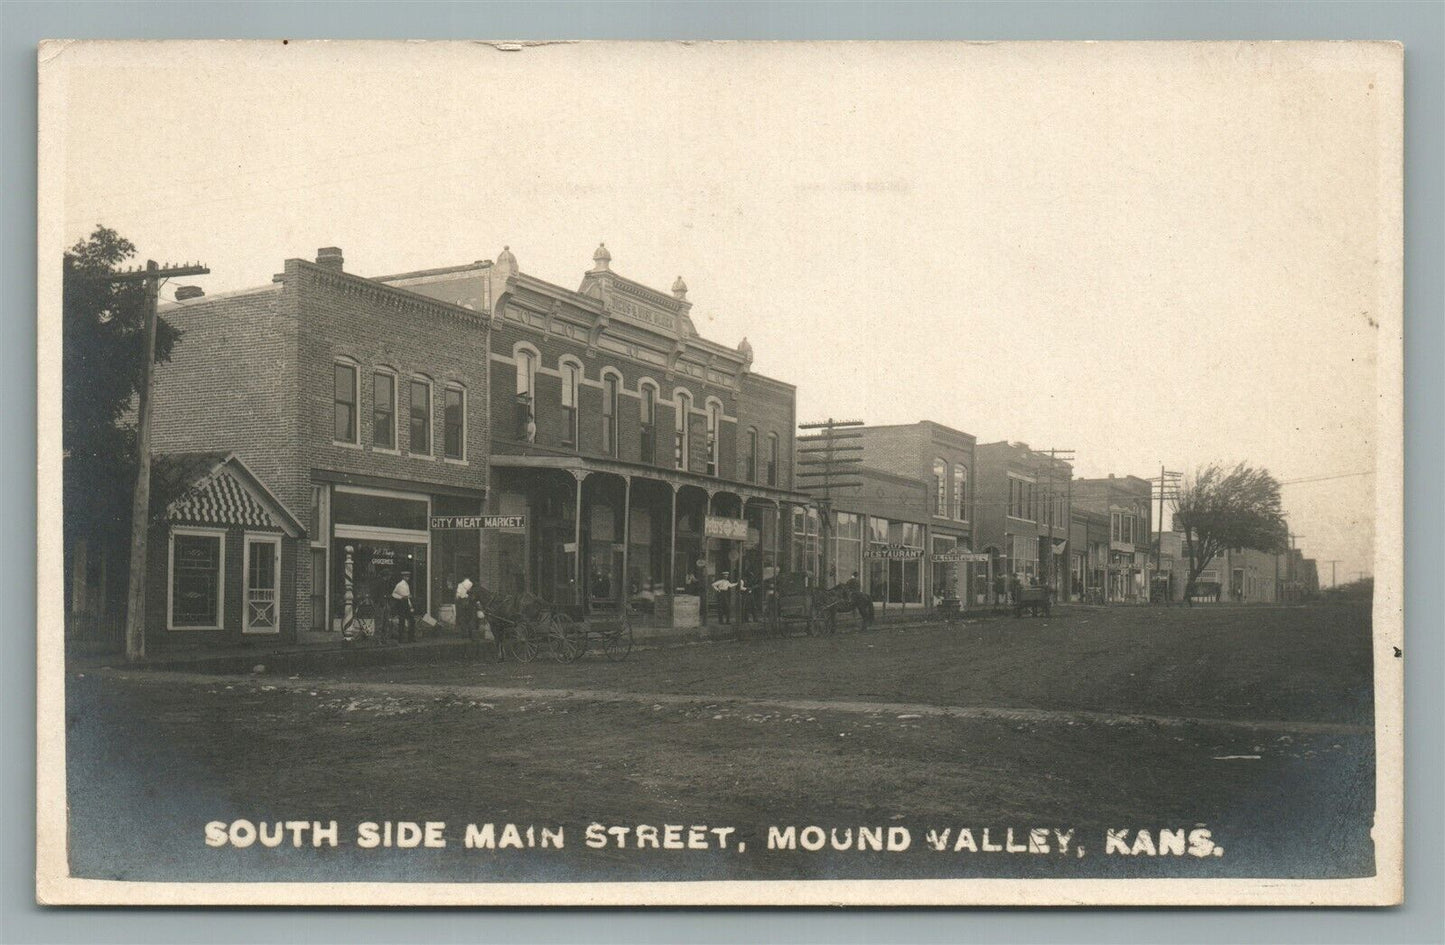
(447, 522)
(728, 529)
(894, 552)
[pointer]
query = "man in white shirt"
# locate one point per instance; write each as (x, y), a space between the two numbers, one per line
(723, 586)
(466, 608)
(401, 608)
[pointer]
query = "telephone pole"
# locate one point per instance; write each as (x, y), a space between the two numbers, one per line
(1332, 562)
(1167, 486)
(135, 617)
(828, 464)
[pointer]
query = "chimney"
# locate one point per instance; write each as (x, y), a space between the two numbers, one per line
(185, 292)
(330, 257)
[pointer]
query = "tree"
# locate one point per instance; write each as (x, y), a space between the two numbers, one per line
(103, 344)
(1221, 508)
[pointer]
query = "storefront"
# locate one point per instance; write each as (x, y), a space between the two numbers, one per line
(895, 562)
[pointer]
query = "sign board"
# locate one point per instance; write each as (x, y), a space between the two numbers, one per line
(960, 557)
(446, 522)
(894, 552)
(729, 529)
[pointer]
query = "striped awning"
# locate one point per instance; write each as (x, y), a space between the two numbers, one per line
(220, 500)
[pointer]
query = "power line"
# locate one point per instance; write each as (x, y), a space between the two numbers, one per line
(1290, 482)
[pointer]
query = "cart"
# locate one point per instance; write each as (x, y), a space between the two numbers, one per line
(1035, 600)
(790, 603)
(513, 627)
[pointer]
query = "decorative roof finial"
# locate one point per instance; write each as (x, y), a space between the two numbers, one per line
(602, 257)
(745, 348)
(679, 289)
(505, 260)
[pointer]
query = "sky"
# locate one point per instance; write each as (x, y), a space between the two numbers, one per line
(1148, 254)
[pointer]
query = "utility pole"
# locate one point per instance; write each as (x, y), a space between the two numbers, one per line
(1332, 562)
(1168, 487)
(829, 464)
(135, 617)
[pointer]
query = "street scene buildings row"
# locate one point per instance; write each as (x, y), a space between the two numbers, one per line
(317, 437)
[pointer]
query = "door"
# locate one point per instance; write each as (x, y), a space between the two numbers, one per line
(263, 579)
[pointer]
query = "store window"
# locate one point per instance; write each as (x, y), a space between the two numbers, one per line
(609, 414)
(905, 577)
(945, 573)
(960, 493)
(847, 548)
(806, 527)
(680, 431)
(343, 428)
(198, 565)
(877, 564)
(571, 376)
(420, 400)
(454, 424)
(383, 410)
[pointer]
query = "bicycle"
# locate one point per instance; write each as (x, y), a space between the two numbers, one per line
(363, 624)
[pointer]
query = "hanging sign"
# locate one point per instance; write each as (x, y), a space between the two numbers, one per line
(728, 529)
(960, 557)
(448, 522)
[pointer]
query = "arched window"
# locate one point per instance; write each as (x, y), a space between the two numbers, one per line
(571, 376)
(960, 492)
(714, 432)
(526, 394)
(683, 406)
(346, 398)
(752, 455)
(609, 414)
(454, 422)
(940, 488)
(648, 406)
(419, 414)
(772, 459)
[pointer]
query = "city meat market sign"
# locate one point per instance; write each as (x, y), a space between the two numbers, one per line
(448, 522)
(728, 529)
(894, 552)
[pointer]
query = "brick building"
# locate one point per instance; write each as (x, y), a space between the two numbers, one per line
(880, 532)
(644, 459)
(1088, 553)
(1126, 502)
(360, 406)
(942, 460)
(1022, 510)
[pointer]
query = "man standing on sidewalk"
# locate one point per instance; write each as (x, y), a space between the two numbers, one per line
(401, 608)
(466, 609)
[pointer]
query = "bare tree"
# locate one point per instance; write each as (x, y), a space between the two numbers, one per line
(1220, 508)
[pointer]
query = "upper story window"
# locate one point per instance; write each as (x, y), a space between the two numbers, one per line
(940, 488)
(751, 459)
(680, 438)
(772, 459)
(609, 414)
(1021, 499)
(344, 381)
(383, 410)
(960, 492)
(649, 423)
(454, 424)
(571, 377)
(420, 412)
(526, 394)
(714, 431)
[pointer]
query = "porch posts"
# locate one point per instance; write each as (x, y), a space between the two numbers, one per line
(578, 577)
(672, 544)
(624, 580)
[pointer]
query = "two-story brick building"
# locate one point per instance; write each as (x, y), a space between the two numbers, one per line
(643, 459)
(1126, 501)
(1022, 511)
(360, 407)
(942, 459)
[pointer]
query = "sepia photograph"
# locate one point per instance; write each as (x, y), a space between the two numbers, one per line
(720, 473)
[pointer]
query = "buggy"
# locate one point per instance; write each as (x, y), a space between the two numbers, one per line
(1034, 600)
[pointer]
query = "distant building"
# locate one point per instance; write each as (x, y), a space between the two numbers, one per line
(1088, 552)
(1126, 502)
(1022, 512)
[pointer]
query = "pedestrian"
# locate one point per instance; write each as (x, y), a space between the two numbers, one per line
(466, 609)
(401, 609)
(750, 591)
(722, 586)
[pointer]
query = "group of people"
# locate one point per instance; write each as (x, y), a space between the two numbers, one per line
(751, 592)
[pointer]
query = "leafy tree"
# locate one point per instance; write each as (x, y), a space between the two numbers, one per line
(103, 360)
(1220, 508)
